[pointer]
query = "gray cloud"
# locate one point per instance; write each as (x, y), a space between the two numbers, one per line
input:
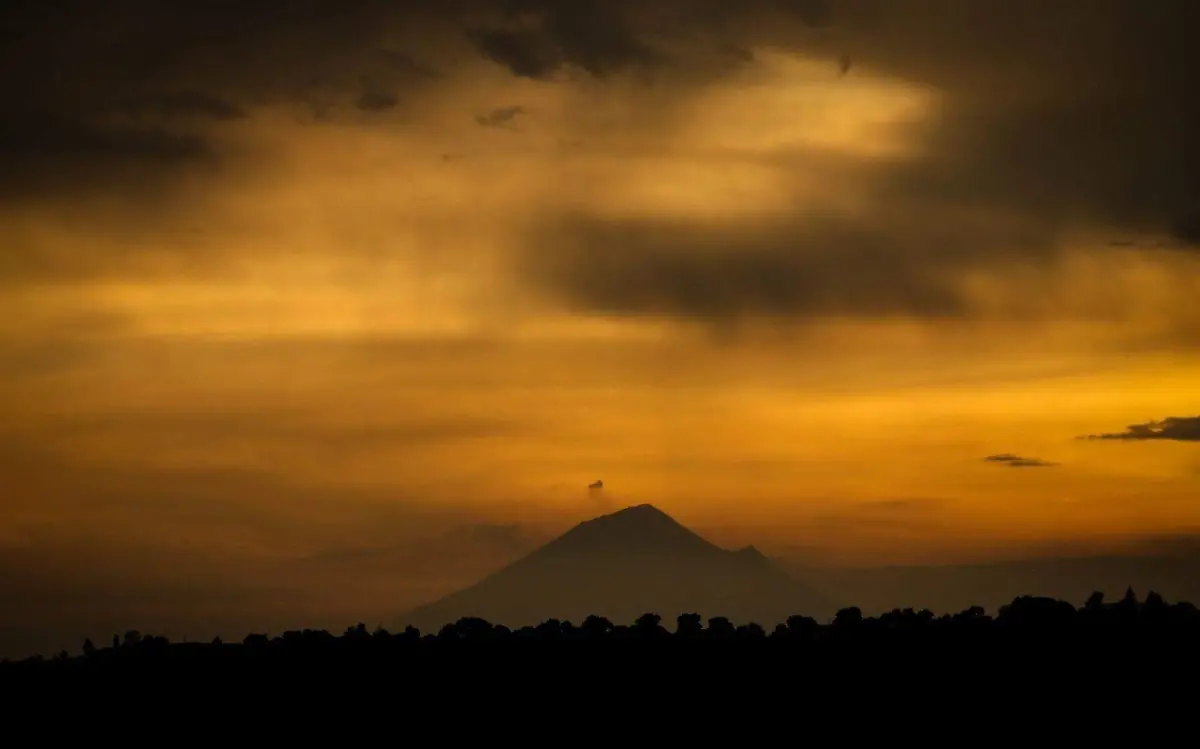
(796, 266)
(377, 101)
(522, 52)
(185, 104)
(1053, 117)
(42, 152)
(1176, 428)
(597, 37)
(1017, 461)
(501, 117)
(178, 70)
(407, 65)
(1082, 110)
(541, 38)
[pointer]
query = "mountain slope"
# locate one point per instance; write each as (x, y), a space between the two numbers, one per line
(622, 565)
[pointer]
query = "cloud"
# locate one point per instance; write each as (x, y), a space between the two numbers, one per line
(405, 64)
(522, 52)
(500, 117)
(1175, 428)
(73, 79)
(1048, 109)
(796, 266)
(377, 101)
(1017, 461)
(185, 104)
(1049, 120)
(46, 153)
(593, 36)
(1023, 154)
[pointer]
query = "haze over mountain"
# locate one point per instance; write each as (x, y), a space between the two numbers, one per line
(1168, 567)
(625, 564)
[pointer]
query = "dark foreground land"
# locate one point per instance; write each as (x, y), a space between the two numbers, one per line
(1039, 671)
(1151, 638)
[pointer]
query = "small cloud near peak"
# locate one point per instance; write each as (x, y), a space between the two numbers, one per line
(501, 117)
(1018, 461)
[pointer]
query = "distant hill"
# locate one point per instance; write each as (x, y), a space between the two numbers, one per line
(623, 565)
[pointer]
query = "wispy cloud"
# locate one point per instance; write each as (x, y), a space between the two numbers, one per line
(501, 117)
(1176, 428)
(1018, 461)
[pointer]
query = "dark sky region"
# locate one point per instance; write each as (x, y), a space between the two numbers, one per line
(290, 283)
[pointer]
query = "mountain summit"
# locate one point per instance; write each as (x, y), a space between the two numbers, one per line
(634, 530)
(625, 564)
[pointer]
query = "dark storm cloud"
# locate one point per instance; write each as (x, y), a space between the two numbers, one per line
(1055, 116)
(785, 268)
(47, 145)
(1052, 118)
(185, 104)
(1017, 461)
(522, 52)
(409, 66)
(818, 13)
(539, 38)
(1084, 109)
(46, 152)
(124, 97)
(377, 101)
(1176, 428)
(592, 35)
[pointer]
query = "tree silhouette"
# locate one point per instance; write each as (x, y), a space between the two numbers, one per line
(596, 627)
(719, 627)
(649, 626)
(1154, 632)
(689, 626)
(848, 617)
(1130, 598)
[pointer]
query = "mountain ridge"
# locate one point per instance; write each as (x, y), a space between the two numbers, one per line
(623, 564)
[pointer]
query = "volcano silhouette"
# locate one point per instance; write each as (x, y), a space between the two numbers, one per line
(635, 561)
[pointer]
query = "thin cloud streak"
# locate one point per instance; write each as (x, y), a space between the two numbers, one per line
(1017, 461)
(1173, 428)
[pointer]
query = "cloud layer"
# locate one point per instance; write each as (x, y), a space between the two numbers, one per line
(1175, 428)
(1017, 461)
(1049, 122)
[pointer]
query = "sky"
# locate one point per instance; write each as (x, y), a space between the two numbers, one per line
(869, 281)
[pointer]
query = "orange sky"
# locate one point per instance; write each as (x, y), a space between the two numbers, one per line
(786, 305)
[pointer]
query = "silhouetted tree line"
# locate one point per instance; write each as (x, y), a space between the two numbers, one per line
(1095, 630)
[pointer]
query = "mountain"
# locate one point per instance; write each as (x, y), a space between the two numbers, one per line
(623, 565)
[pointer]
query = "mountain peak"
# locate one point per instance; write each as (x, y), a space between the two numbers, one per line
(642, 512)
(642, 527)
